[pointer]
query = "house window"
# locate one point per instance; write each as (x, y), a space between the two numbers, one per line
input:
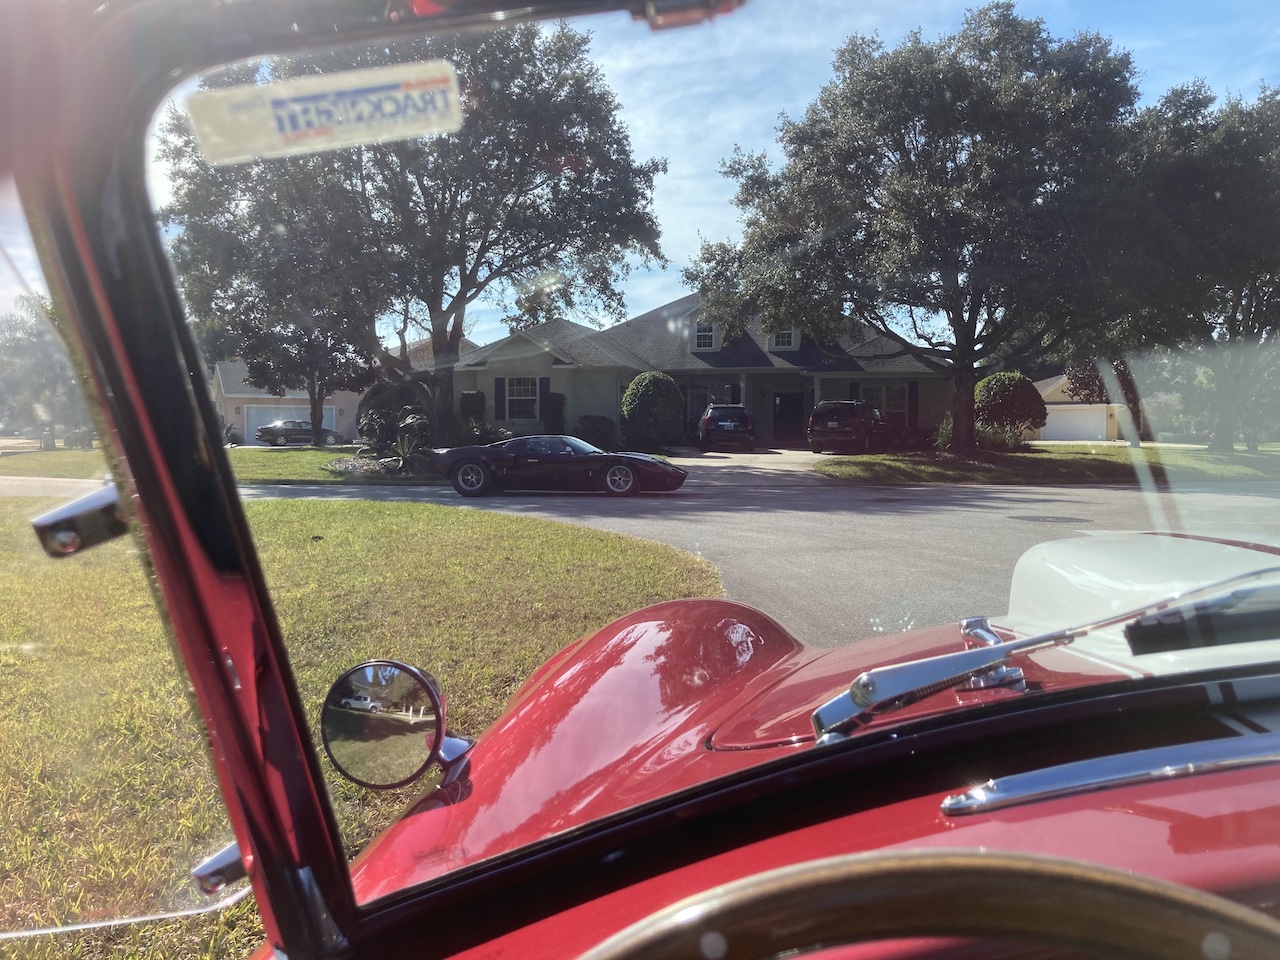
(522, 398)
(786, 339)
(699, 395)
(704, 335)
(889, 398)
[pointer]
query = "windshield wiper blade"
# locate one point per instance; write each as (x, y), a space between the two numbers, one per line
(884, 689)
(1246, 615)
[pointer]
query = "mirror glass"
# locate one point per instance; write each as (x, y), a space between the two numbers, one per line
(382, 724)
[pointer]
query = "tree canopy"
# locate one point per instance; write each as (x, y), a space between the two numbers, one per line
(37, 382)
(536, 203)
(1205, 264)
(947, 194)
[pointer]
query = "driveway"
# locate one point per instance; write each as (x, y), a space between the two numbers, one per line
(835, 562)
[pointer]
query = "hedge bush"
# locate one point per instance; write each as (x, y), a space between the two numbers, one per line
(598, 431)
(1009, 402)
(652, 411)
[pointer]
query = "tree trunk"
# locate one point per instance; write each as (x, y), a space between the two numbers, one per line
(963, 380)
(1227, 392)
(316, 400)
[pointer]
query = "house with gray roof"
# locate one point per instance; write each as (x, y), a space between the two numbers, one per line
(779, 376)
(245, 408)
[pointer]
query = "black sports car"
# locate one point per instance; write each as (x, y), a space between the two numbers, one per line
(552, 463)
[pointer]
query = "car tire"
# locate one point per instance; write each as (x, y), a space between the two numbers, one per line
(279, 441)
(471, 478)
(620, 481)
(703, 445)
(815, 447)
(330, 439)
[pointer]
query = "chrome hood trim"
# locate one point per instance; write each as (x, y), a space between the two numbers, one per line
(1100, 773)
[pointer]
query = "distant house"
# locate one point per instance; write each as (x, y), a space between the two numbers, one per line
(1070, 419)
(245, 408)
(779, 377)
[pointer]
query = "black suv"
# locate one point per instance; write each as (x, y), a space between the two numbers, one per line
(726, 423)
(847, 425)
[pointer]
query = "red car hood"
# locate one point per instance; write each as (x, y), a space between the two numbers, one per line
(684, 692)
(666, 698)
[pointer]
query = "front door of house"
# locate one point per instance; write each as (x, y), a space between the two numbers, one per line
(788, 418)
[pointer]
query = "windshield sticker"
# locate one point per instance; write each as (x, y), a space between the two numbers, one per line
(312, 114)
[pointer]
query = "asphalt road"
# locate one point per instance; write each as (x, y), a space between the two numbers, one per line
(834, 562)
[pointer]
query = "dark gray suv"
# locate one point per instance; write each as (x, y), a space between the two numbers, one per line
(726, 423)
(847, 425)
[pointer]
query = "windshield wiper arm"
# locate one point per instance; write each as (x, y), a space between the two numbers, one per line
(883, 689)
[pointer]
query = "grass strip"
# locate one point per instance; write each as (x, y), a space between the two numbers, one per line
(250, 465)
(106, 791)
(1058, 464)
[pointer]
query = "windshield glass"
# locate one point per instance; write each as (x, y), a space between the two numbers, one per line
(916, 312)
(580, 447)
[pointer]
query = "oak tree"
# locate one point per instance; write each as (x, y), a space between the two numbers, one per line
(945, 194)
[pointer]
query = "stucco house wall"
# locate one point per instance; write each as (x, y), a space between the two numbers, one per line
(586, 390)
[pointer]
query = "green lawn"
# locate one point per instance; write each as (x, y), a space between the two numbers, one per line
(75, 464)
(251, 465)
(1060, 463)
(307, 465)
(104, 780)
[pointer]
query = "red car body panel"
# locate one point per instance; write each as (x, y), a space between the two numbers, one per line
(667, 698)
(1218, 832)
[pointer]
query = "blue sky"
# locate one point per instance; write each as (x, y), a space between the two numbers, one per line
(691, 95)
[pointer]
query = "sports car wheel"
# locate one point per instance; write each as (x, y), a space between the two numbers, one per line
(620, 480)
(882, 896)
(472, 478)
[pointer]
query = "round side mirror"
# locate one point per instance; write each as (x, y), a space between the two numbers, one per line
(383, 723)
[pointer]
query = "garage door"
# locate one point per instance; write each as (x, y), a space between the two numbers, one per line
(1084, 422)
(259, 415)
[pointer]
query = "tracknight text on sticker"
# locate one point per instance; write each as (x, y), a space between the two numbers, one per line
(311, 114)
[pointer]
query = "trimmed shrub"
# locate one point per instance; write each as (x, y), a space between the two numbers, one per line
(553, 413)
(398, 441)
(985, 436)
(471, 405)
(1010, 402)
(598, 431)
(78, 440)
(652, 411)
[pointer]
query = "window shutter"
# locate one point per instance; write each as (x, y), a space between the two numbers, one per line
(855, 390)
(735, 393)
(913, 403)
(500, 398)
(544, 388)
